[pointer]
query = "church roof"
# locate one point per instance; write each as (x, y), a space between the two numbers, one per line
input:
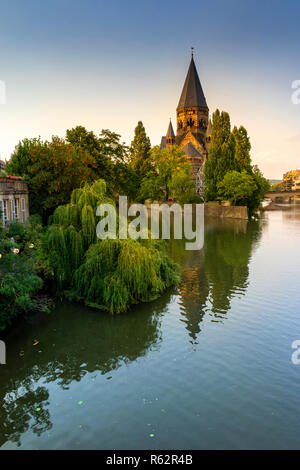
(163, 142)
(170, 131)
(192, 93)
(189, 149)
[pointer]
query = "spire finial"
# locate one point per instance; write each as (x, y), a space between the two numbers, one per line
(192, 49)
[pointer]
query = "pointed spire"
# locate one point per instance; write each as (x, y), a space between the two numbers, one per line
(192, 93)
(170, 131)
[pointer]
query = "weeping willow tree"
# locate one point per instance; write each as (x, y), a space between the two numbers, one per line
(110, 274)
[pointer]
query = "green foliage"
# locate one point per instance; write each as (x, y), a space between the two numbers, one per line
(167, 164)
(221, 158)
(262, 186)
(21, 159)
(244, 188)
(52, 170)
(111, 274)
(242, 148)
(87, 141)
(123, 179)
(182, 187)
(277, 187)
(228, 173)
(139, 151)
(111, 159)
(118, 273)
(237, 187)
(73, 230)
(20, 282)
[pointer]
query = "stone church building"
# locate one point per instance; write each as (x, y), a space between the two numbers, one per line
(193, 126)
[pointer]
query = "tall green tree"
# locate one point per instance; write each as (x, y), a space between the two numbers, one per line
(139, 151)
(21, 159)
(221, 158)
(124, 179)
(242, 148)
(86, 140)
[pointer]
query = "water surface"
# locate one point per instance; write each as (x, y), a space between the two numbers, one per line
(206, 366)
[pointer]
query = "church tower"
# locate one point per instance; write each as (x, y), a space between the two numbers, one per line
(192, 110)
(170, 136)
(193, 126)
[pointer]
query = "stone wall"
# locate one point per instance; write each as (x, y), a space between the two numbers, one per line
(232, 212)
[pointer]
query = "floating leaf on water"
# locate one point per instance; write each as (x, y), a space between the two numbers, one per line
(151, 435)
(80, 402)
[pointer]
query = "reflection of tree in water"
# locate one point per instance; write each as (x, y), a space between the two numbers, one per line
(22, 407)
(72, 342)
(213, 276)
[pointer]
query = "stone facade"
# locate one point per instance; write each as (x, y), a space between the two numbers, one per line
(230, 212)
(14, 202)
(193, 126)
(291, 180)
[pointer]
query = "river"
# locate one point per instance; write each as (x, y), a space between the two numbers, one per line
(206, 366)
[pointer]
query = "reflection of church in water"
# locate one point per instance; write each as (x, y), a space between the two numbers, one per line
(193, 125)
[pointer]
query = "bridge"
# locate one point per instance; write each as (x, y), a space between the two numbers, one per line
(283, 196)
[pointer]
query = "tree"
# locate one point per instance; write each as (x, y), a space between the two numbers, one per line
(52, 170)
(20, 281)
(277, 187)
(262, 184)
(111, 157)
(221, 157)
(110, 274)
(166, 162)
(79, 137)
(21, 159)
(182, 187)
(237, 187)
(244, 189)
(139, 151)
(123, 179)
(242, 147)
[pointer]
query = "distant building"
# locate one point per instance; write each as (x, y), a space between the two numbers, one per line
(2, 165)
(291, 180)
(14, 203)
(193, 126)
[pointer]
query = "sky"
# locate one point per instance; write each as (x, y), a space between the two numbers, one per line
(108, 64)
